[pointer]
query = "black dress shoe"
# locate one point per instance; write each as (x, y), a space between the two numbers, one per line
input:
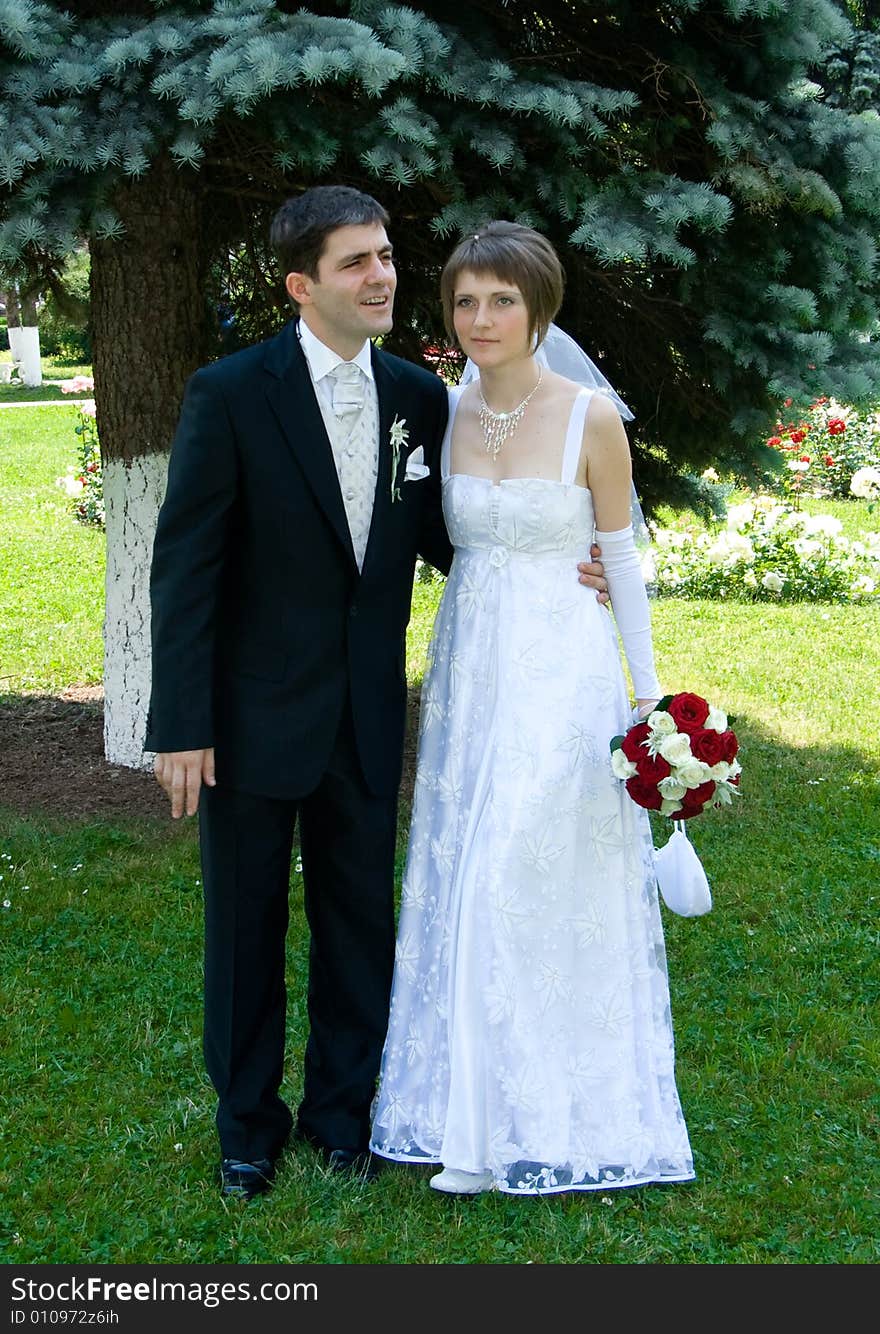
(241, 1180)
(352, 1162)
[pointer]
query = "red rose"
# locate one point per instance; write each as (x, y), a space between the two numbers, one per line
(836, 425)
(694, 800)
(651, 768)
(707, 745)
(775, 441)
(797, 436)
(829, 461)
(804, 458)
(730, 746)
(644, 794)
(688, 711)
(632, 742)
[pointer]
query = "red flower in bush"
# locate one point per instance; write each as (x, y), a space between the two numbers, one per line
(775, 441)
(798, 436)
(804, 458)
(836, 426)
(689, 711)
(829, 461)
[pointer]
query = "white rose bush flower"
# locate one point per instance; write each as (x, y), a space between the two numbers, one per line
(768, 552)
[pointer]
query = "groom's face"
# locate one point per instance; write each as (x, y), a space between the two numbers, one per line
(352, 298)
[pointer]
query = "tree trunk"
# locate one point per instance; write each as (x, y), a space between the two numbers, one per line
(13, 320)
(148, 330)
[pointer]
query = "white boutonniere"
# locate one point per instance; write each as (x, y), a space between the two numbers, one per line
(398, 435)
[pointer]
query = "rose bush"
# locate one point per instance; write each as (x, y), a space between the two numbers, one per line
(767, 551)
(84, 484)
(823, 450)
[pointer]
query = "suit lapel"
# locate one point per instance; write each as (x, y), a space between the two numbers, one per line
(291, 396)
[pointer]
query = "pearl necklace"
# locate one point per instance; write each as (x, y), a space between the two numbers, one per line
(498, 427)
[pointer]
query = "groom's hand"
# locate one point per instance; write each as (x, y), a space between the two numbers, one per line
(592, 573)
(181, 774)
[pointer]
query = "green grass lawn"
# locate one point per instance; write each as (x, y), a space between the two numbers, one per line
(109, 1147)
(54, 370)
(51, 568)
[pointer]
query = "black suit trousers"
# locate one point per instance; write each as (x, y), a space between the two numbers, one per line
(347, 841)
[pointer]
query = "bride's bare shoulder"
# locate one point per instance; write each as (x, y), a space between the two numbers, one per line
(559, 389)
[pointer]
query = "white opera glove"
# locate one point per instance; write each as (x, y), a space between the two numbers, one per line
(629, 602)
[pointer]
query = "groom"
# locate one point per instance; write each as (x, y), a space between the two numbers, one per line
(304, 481)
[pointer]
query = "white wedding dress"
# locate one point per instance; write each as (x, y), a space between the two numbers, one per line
(530, 1030)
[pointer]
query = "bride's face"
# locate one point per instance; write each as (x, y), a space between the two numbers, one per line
(491, 319)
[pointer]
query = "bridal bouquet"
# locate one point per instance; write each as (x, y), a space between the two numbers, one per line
(681, 759)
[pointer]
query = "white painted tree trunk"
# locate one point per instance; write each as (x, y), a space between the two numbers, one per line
(29, 369)
(133, 493)
(12, 333)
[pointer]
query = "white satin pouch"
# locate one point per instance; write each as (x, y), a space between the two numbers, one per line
(683, 884)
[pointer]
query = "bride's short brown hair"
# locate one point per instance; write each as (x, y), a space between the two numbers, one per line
(516, 254)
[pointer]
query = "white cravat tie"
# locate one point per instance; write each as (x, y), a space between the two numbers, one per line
(353, 428)
(348, 389)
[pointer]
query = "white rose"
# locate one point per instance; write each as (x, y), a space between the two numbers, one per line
(661, 723)
(621, 766)
(739, 515)
(692, 773)
(676, 748)
(865, 483)
(671, 789)
(735, 768)
(822, 523)
(773, 582)
(717, 719)
(720, 772)
(670, 807)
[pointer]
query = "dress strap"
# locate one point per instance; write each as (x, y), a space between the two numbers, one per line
(574, 436)
(455, 394)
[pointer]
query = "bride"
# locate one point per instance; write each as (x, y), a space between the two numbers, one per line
(530, 1044)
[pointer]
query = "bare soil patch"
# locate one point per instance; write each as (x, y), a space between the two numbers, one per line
(52, 760)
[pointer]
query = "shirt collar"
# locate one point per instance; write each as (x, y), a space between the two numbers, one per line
(322, 359)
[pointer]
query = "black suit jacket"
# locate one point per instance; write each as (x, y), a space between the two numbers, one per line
(261, 621)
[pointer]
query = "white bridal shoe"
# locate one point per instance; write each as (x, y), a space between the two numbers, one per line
(455, 1182)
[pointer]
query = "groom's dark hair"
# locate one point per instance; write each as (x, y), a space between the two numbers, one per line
(301, 226)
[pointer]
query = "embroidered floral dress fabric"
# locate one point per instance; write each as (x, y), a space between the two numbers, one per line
(530, 1029)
